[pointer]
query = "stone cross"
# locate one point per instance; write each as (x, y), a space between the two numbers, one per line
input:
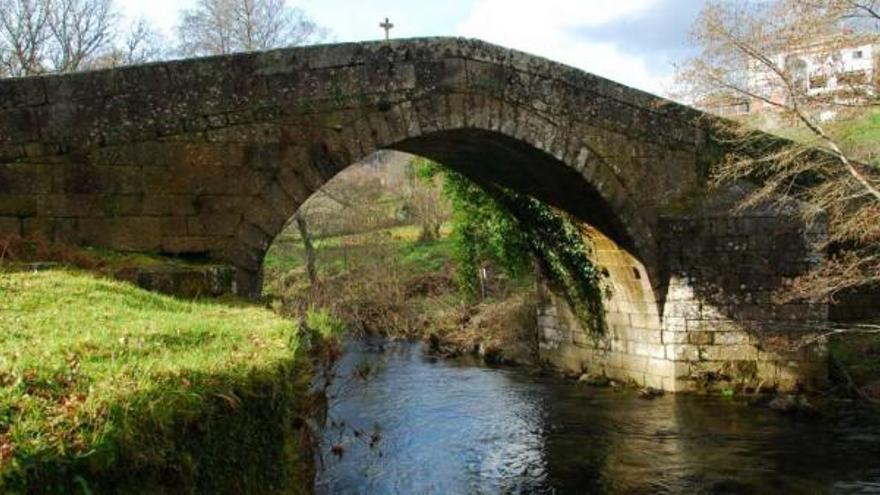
(387, 25)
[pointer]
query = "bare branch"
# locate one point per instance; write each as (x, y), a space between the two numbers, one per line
(215, 27)
(758, 52)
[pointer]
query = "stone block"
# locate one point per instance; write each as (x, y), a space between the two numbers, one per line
(16, 205)
(218, 224)
(170, 204)
(188, 244)
(25, 178)
(38, 226)
(173, 226)
(122, 233)
(674, 337)
(644, 320)
(724, 325)
(551, 334)
(682, 352)
(634, 363)
(674, 323)
(700, 338)
(10, 225)
(728, 352)
(731, 338)
(653, 381)
(547, 322)
(645, 349)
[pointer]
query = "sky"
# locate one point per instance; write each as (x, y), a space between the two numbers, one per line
(635, 42)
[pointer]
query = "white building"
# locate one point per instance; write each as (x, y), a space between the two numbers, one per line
(844, 69)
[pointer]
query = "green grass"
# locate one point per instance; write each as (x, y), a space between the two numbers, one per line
(103, 385)
(333, 253)
(860, 131)
(427, 257)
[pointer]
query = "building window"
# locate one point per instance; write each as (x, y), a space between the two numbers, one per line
(857, 54)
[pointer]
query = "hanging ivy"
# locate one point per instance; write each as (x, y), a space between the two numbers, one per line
(510, 229)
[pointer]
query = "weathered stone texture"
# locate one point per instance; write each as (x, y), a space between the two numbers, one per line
(246, 138)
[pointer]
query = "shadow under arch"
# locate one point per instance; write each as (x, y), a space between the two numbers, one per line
(489, 158)
(589, 189)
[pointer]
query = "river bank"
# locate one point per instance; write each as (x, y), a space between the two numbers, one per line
(105, 387)
(386, 282)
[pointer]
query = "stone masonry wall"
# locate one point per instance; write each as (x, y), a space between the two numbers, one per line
(630, 349)
(212, 156)
(719, 312)
(718, 326)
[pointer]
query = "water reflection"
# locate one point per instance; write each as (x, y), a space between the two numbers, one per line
(439, 426)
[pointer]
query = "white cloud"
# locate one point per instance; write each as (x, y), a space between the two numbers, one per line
(549, 28)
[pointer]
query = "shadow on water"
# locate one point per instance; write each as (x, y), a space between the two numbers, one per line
(419, 424)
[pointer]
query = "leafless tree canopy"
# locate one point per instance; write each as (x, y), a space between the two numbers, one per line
(139, 43)
(24, 33)
(44, 36)
(750, 52)
(80, 30)
(215, 27)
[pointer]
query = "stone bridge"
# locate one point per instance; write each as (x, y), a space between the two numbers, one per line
(212, 156)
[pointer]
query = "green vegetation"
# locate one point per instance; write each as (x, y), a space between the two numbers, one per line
(107, 387)
(860, 131)
(395, 285)
(483, 231)
(509, 230)
(337, 254)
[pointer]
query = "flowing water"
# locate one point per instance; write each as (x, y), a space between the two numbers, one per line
(418, 424)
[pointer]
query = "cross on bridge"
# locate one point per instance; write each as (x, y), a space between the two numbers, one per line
(387, 25)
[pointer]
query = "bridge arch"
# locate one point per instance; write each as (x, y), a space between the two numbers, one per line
(487, 156)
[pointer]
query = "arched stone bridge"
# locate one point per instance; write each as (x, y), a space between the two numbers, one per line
(212, 156)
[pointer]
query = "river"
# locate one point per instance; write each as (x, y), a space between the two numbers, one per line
(403, 421)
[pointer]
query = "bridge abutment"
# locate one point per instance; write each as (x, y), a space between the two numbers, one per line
(715, 323)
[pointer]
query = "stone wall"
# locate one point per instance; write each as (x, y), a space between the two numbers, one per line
(212, 156)
(630, 347)
(718, 325)
(860, 305)
(720, 315)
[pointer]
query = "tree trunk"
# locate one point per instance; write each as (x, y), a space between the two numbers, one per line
(303, 228)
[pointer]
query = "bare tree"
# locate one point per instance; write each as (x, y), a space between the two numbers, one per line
(215, 27)
(23, 36)
(44, 36)
(309, 248)
(778, 56)
(81, 31)
(140, 42)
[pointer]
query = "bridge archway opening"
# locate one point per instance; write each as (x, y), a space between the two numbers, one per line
(495, 159)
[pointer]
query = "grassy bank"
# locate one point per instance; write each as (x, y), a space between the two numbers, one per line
(106, 387)
(856, 131)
